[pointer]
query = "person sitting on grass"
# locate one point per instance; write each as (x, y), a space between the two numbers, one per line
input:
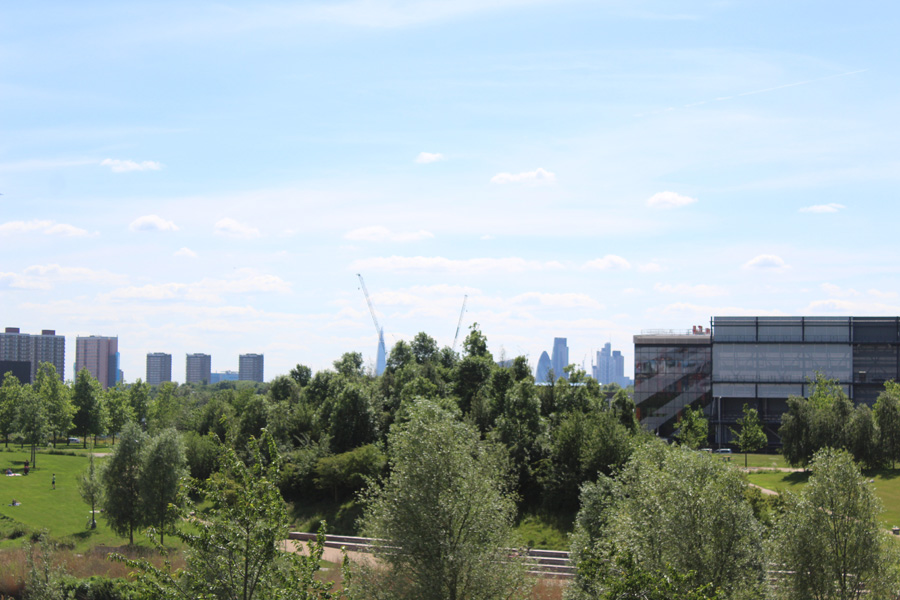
(15, 502)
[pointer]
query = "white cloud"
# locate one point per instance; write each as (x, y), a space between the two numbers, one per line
(882, 295)
(766, 262)
(669, 200)
(701, 290)
(73, 274)
(537, 176)
(425, 158)
(205, 290)
(233, 228)
(608, 262)
(66, 230)
(378, 233)
(14, 280)
(570, 300)
(152, 223)
(487, 237)
(438, 263)
(837, 291)
(185, 253)
(45, 227)
(124, 166)
(832, 207)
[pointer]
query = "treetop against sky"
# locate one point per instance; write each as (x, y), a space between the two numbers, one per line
(209, 177)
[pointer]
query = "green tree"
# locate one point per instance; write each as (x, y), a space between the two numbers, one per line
(349, 471)
(119, 411)
(693, 429)
(671, 508)
(86, 398)
(424, 348)
(234, 550)
(822, 420)
(90, 487)
(887, 416)
(350, 365)
(56, 399)
(751, 436)
(475, 343)
(828, 539)
(121, 479)
(302, 375)
(164, 409)
(444, 516)
(10, 394)
(139, 398)
(163, 464)
(351, 419)
(32, 421)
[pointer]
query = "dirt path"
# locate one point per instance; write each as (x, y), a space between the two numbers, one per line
(333, 555)
(765, 491)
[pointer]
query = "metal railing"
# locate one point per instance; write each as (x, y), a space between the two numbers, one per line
(546, 564)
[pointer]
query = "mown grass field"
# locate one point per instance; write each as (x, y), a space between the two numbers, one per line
(886, 482)
(61, 511)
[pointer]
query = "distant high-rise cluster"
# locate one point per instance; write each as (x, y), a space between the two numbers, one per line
(250, 367)
(21, 353)
(159, 368)
(555, 364)
(610, 367)
(100, 356)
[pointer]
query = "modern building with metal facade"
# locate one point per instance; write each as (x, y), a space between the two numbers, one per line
(760, 361)
(672, 370)
(100, 356)
(250, 367)
(197, 368)
(159, 367)
(34, 349)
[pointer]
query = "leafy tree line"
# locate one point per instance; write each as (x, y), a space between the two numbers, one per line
(827, 418)
(332, 426)
(680, 525)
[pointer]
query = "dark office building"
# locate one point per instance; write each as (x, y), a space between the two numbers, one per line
(20, 368)
(760, 361)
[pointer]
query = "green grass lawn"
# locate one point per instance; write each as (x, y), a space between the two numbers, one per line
(887, 487)
(61, 511)
(767, 461)
(546, 532)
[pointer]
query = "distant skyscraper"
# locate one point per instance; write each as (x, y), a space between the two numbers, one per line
(159, 367)
(100, 356)
(381, 357)
(610, 367)
(34, 349)
(250, 367)
(197, 368)
(542, 375)
(560, 359)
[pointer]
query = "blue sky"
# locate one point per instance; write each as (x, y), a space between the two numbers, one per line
(210, 177)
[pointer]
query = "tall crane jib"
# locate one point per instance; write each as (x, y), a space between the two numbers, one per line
(381, 359)
(459, 323)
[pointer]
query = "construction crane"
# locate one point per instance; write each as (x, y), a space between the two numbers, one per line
(381, 357)
(459, 324)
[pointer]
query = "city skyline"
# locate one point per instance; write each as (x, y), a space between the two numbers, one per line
(213, 177)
